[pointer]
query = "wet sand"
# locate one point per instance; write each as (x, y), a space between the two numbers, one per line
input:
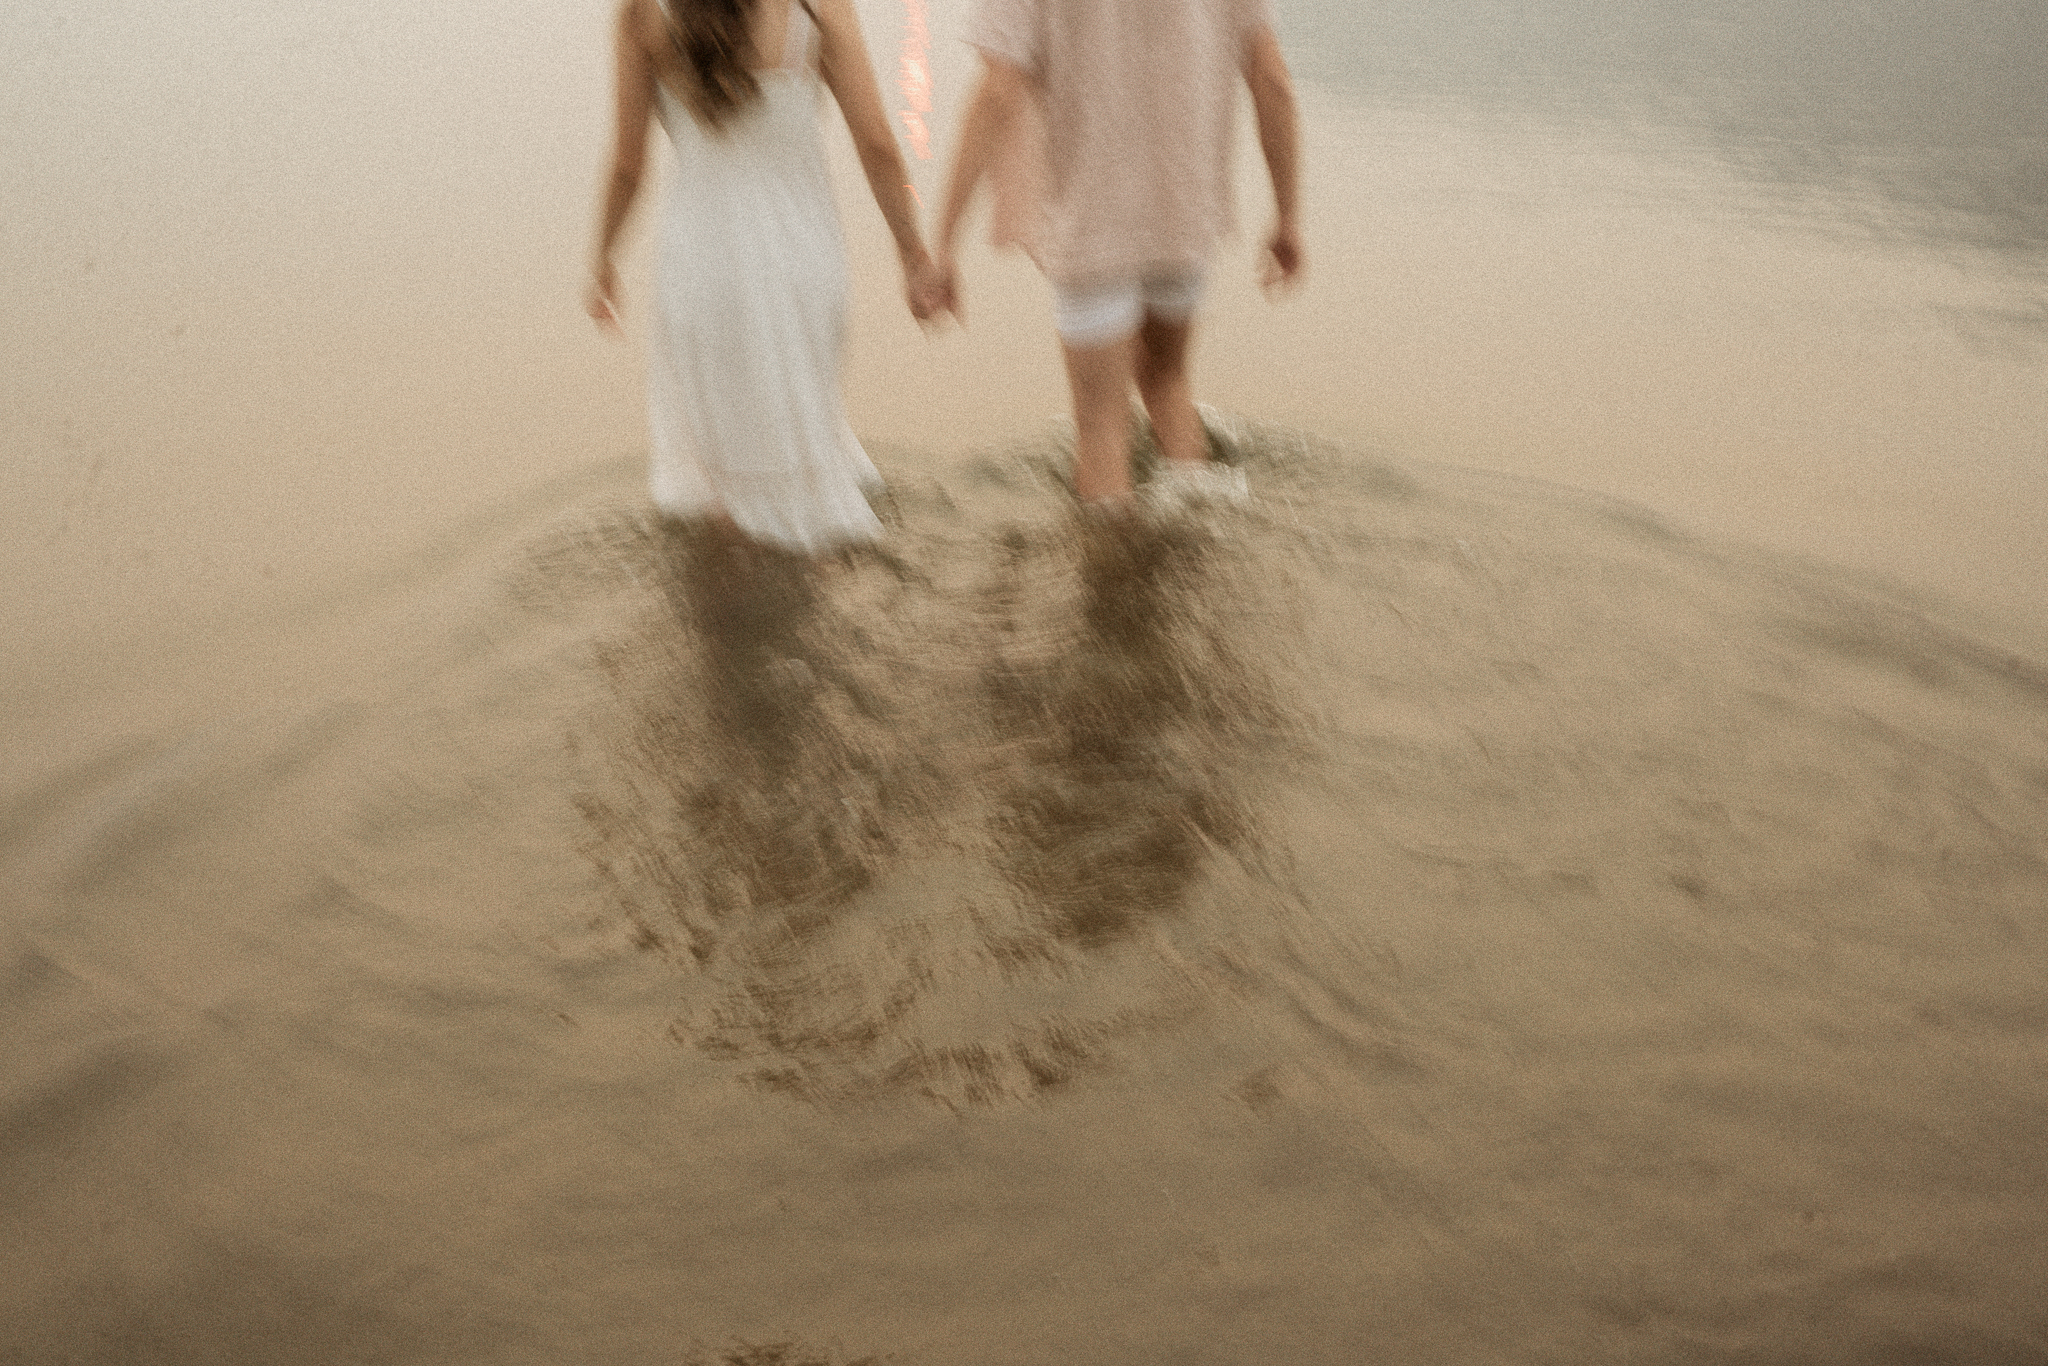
(1559, 878)
(1425, 916)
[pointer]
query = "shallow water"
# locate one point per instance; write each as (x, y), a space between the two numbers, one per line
(1585, 911)
(294, 293)
(1421, 914)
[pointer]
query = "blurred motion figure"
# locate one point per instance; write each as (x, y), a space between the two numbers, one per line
(748, 425)
(1112, 121)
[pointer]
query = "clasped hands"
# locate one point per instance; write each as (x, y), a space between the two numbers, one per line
(931, 284)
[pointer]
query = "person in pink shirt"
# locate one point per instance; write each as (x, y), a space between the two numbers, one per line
(1114, 120)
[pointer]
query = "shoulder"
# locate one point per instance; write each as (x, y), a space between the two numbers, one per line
(644, 22)
(838, 23)
(831, 16)
(1247, 15)
(1009, 29)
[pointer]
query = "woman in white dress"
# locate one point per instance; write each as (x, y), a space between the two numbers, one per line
(750, 275)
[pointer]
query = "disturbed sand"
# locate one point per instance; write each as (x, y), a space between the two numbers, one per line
(1422, 917)
(1587, 911)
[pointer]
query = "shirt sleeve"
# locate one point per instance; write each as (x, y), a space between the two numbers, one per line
(1007, 29)
(1254, 14)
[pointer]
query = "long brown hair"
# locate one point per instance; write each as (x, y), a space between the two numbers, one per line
(714, 40)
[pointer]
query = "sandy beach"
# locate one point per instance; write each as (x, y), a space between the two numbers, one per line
(1560, 877)
(1426, 916)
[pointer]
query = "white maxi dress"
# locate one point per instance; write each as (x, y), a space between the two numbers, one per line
(749, 319)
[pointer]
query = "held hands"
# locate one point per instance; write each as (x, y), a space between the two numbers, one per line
(932, 288)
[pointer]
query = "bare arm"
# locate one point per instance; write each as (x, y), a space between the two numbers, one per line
(850, 76)
(1265, 71)
(634, 108)
(998, 98)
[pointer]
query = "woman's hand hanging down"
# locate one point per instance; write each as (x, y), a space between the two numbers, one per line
(633, 96)
(601, 300)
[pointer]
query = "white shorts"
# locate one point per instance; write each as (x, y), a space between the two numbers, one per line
(1106, 311)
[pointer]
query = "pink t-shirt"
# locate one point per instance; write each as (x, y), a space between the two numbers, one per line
(1136, 116)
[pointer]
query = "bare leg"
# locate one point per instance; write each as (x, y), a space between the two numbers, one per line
(1162, 364)
(1100, 377)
